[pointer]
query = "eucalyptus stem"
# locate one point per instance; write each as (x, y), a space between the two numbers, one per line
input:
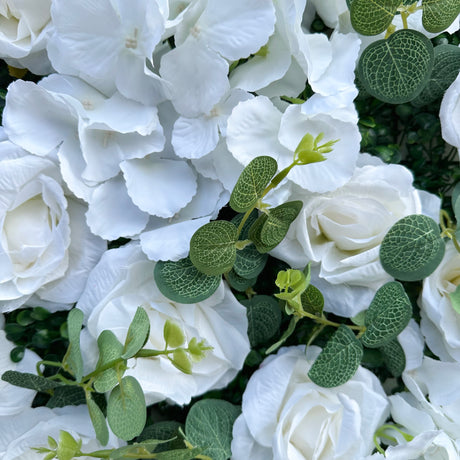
(325, 322)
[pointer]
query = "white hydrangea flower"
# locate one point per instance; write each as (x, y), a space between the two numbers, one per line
(286, 416)
(15, 399)
(123, 281)
(31, 428)
(256, 127)
(108, 43)
(25, 26)
(440, 323)
(46, 248)
(340, 232)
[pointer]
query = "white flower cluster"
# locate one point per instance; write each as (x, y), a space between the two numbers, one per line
(148, 113)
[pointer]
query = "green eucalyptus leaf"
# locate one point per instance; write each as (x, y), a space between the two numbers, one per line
(412, 248)
(212, 247)
(126, 410)
(252, 183)
(166, 430)
(182, 282)
(387, 315)
(73, 357)
(209, 424)
(396, 69)
(136, 449)
(264, 318)
(138, 333)
(286, 334)
(445, 70)
(438, 15)
(30, 381)
(98, 421)
(270, 229)
(394, 357)
(180, 454)
(249, 262)
(239, 283)
(66, 395)
(110, 349)
(372, 17)
(312, 300)
(455, 299)
(339, 360)
(456, 202)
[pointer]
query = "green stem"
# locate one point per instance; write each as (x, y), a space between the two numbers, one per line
(46, 363)
(325, 322)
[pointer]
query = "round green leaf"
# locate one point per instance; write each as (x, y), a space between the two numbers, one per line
(249, 262)
(445, 70)
(387, 315)
(239, 283)
(372, 17)
(252, 182)
(312, 300)
(181, 281)
(109, 349)
(126, 410)
(412, 249)
(396, 70)
(264, 318)
(173, 334)
(209, 424)
(439, 14)
(339, 360)
(212, 247)
(394, 357)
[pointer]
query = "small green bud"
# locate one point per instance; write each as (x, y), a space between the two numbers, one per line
(68, 447)
(308, 157)
(306, 144)
(50, 456)
(52, 442)
(181, 360)
(197, 349)
(173, 334)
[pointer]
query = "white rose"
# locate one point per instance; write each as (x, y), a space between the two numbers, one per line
(14, 399)
(31, 428)
(123, 281)
(340, 232)
(46, 247)
(24, 29)
(286, 416)
(449, 114)
(440, 323)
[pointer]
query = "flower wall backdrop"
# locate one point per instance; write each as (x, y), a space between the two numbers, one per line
(229, 229)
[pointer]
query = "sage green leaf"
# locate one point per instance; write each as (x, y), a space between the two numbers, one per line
(249, 262)
(394, 357)
(73, 355)
(264, 318)
(456, 203)
(109, 349)
(168, 431)
(30, 381)
(182, 282)
(126, 410)
(412, 248)
(312, 300)
(339, 360)
(138, 333)
(445, 70)
(98, 421)
(387, 315)
(239, 283)
(372, 17)
(439, 14)
(396, 69)
(286, 334)
(270, 229)
(252, 183)
(181, 360)
(180, 454)
(137, 449)
(212, 247)
(455, 299)
(209, 424)
(66, 395)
